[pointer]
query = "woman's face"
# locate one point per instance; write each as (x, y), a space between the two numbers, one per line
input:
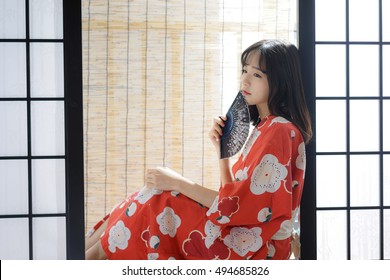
(254, 82)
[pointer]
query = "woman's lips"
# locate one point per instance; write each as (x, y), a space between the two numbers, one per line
(246, 93)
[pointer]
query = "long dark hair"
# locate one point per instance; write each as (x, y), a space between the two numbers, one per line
(280, 61)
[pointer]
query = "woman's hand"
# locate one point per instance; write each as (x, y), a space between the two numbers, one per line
(163, 178)
(215, 137)
(166, 179)
(216, 132)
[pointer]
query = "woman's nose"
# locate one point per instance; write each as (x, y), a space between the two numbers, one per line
(245, 81)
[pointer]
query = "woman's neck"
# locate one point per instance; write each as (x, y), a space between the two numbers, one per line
(263, 110)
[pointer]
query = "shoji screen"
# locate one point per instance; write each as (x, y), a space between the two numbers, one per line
(352, 129)
(155, 74)
(35, 155)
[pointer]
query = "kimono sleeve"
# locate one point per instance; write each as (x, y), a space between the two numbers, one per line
(264, 198)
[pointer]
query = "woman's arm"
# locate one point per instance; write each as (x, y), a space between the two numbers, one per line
(204, 196)
(225, 171)
(166, 179)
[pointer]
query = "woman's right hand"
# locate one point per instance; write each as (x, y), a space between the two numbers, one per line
(215, 137)
(216, 131)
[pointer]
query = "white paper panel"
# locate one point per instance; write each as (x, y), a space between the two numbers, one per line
(331, 125)
(48, 186)
(331, 235)
(331, 181)
(330, 80)
(364, 70)
(386, 20)
(46, 19)
(364, 125)
(330, 29)
(363, 20)
(14, 239)
(365, 234)
(386, 69)
(386, 217)
(47, 70)
(364, 173)
(13, 128)
(13, 187)
(12, 19)
(386, 125)
(386, 180)
(12, 69)
(49, 238)
(47, 128)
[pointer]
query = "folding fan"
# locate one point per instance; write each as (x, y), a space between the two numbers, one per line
(236, 129)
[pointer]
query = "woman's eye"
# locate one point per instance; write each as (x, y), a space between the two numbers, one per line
(243, 71)
(257, 75)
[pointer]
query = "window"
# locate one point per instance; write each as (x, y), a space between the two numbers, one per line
(350, 147)
(41, 197)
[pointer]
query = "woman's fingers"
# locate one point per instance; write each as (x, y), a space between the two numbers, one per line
(216, 129)
(219, 123)
(224, 118)
(162, 178)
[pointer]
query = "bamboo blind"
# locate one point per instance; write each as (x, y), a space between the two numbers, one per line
(155, 74)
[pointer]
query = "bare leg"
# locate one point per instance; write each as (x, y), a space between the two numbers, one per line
(95, 237)
(96, 252)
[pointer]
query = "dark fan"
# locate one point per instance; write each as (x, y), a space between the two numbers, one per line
(236, 129)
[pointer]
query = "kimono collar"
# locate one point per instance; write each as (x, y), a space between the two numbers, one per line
(263, 120)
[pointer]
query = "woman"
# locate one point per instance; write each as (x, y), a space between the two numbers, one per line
(252, 214)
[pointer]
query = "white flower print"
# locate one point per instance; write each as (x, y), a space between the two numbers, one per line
(146, 193)
(242, 174)
(301, 158)
(267, 175)
(271, 251)
(168, 221)
(212, 232)
(243, 240)
(214, 206)
(131, 209)
(119, 236)
(223, 220)
(154, 242)
(175, 193)
(285, 230)
(264, 215)
(152, 256)
(249, 143)
(279, 120)
(292, 134)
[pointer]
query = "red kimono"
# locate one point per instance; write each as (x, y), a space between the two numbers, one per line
(251, 218)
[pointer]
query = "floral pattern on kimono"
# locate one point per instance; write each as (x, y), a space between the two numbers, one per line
(252, 217)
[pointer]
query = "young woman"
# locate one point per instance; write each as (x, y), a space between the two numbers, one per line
(252, 214)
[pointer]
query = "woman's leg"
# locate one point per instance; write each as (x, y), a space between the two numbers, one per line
(95, 237)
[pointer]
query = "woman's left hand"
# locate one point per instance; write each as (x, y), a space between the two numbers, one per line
(163, 178)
